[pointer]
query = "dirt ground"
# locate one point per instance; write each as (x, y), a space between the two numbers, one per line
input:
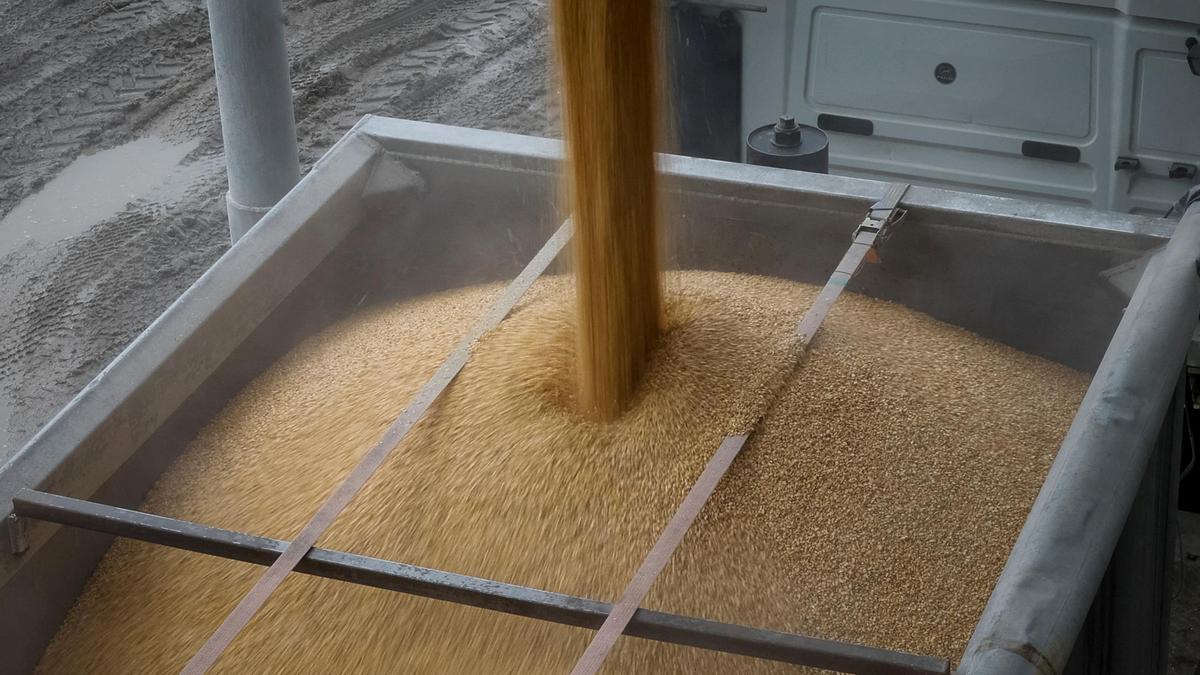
(1185, 604)
(80, 75)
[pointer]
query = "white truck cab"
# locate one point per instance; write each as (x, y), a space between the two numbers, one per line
(1088, 102)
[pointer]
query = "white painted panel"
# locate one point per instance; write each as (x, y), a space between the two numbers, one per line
(1167, 115)
(887, 63)
(1170, 10)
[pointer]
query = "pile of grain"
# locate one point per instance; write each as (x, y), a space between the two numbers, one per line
(607, 55)
(876, 503)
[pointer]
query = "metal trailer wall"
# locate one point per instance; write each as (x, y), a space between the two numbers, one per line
(398, 209)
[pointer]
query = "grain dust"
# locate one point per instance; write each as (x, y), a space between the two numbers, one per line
(876, 503)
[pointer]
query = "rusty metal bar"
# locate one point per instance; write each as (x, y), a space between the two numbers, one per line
(473, 591)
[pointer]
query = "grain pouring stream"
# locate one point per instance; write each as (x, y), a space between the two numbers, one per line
(607, 56)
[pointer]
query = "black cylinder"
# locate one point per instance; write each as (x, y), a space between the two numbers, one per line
(788, 145)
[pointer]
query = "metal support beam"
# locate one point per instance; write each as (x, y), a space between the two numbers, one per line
(475, 592)
(254, 91)
(1128, 625)
(1042, 597)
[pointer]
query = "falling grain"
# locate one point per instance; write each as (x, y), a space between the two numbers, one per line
(607, 56)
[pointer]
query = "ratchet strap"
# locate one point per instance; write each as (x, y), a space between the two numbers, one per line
(870, 234)
(366, 467)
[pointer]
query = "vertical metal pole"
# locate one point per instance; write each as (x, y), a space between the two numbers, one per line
(255, 95)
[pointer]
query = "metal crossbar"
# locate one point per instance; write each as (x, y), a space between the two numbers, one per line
(475, 592)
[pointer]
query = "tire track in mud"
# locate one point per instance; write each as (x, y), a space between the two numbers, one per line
(328, 47)
(142, 66)
(80, 29)
(91, 91)
(432, 72)
(507, 91)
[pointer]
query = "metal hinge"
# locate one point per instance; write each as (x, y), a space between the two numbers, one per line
(884, 214)
(1127, 164)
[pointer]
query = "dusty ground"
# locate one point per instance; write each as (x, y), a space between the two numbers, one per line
(1185, 605)
(79, 75)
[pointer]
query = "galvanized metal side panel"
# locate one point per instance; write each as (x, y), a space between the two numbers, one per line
(1026, 274)
(807, 191)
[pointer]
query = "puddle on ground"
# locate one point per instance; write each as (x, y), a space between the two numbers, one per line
(90, 189)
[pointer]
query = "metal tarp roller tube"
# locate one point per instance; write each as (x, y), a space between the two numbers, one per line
(1043, 595)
